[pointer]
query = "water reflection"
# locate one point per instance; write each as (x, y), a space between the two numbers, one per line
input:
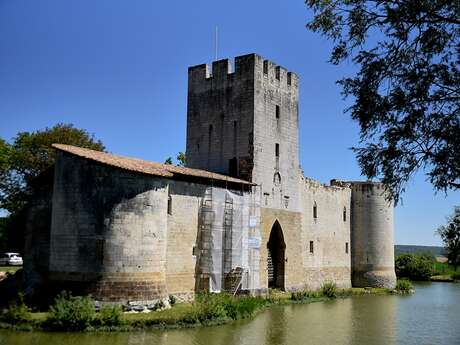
(374, 320)
(428, 317)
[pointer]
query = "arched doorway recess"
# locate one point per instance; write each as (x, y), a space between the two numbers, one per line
(276, 257)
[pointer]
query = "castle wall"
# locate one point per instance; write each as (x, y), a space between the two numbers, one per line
(291, 223)
(108, 232)
(125, 236)
(372, 236)
(220, 112)
(182, 238)
(250, 115)
(329, 232)
(276, 128)
(37, 226)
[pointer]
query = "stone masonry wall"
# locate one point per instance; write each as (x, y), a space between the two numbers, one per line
(108, 233)
(182, 238)
(276, 127)
(372, 236)
(37, 227)
(220, 112)
(250, 115)
(290, 223)
(329, 232)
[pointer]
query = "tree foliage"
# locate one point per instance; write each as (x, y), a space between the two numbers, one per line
(29, 155)
(406, 92)
(414, 267)
(450, 235)
(180, 159)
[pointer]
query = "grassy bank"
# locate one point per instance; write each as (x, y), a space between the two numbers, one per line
(10, 269)
(208, 309)
(444, 272)
(443, 268)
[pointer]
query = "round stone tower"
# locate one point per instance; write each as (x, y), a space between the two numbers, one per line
(372, 245)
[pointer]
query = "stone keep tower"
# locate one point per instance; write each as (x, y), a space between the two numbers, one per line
(372, 255)
(244, 123)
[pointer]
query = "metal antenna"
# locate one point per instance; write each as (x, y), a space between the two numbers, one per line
(215, 42)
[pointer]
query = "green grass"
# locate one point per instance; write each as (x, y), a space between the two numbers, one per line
(443, 272)
(442, 268)
(442, 278)
(207, 309)
(404, 286)
(11, 269)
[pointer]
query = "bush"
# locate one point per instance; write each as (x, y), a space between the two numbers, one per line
(17, 312)
(110, 316)
(74, 313)
(404, 286)
(212, 307)
(414, 267)
(456, 276)
(172, 300)
(303, 295)
(329, 289)
(298, 295)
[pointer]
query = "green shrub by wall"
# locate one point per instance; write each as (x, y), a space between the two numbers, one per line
(17, 312)
(329, 289)
(404, 286)
(73, 313)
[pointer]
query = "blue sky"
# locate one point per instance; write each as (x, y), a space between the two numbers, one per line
(119, 70)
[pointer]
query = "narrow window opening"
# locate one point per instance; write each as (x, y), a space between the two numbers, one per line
(277, 112)
(315, 211)
(277, 73)
(346, 247)
(289, 78)
(100, 251)
(344, 214)
(311, 247)
(209, 144)
(277, 150)
(232, 168)
(169, 205)
(286, 201)
(234, 137)
(266, 195)
(266, 67)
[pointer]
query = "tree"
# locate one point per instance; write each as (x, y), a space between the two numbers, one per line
(29, 155)
(450, 235)
(4, 154)
(181, 159)
(414, 266)
(406, 92)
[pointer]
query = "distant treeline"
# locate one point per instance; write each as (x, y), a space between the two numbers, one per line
(409, 249)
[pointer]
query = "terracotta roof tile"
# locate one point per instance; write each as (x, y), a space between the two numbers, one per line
(144, 167)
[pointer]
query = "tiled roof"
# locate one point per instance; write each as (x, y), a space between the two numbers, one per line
(144, 167)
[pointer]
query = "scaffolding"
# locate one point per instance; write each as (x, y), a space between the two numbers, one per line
(229, 240)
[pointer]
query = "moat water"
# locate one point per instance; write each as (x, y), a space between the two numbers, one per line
(430, 316)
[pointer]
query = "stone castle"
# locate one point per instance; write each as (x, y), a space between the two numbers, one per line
(241, 216)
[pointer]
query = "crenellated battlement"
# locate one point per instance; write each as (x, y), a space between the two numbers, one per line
(247, 67)
(363, 186)
(242, 120)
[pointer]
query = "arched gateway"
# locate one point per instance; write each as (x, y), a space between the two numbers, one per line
(276, 258)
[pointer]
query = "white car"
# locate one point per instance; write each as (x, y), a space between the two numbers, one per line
(13, 259)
